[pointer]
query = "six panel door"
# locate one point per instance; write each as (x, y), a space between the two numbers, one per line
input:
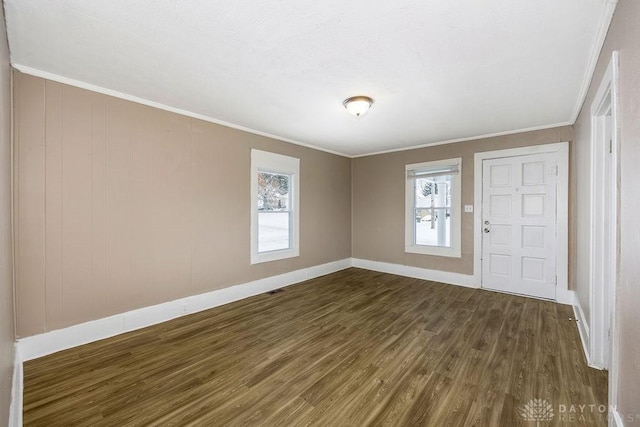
(519, 225)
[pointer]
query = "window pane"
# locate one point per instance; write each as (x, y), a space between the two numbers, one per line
(432, 208)
(273, 191)
(273, 211)
(275, 219)
(273, 231)
(433, 192)
(433, 227)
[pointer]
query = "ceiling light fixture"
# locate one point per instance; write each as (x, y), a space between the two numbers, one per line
(358, 105)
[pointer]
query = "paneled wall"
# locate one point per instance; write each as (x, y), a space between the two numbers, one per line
(121, 206)
(378, 198)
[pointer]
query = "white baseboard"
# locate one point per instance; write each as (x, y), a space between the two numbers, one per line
(51, 342)
(84, 333)
(416, 272)
(15, 412)
(565, 296)
(583, 328)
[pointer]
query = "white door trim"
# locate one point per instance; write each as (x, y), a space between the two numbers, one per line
(562, 219)
(601, 354)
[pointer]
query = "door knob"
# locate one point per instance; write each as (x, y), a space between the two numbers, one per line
(486, 229)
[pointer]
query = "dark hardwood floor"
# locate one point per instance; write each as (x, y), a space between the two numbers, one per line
(351, 348)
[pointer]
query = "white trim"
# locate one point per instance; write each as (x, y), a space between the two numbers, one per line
(562, 218)
(17, 389)
(416, 272)
(614, 342)
(616, 419)
(603, 28)
(99, 89)
(15, 409)
(51, 342)
(456, 205)
(565, 296)
(603, 350)
(271, 162)
(583, 328)
(467, 138)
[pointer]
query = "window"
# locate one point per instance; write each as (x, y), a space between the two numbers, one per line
(274, 206)
(433, 203)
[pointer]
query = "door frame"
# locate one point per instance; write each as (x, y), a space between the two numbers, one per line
(563, 295)
(602, 319)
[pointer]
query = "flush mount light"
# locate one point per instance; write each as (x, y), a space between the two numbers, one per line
(358, 105)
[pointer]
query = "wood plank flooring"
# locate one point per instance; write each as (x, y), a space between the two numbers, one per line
(351, 348)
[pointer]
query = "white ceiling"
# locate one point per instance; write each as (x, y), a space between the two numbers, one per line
(438, 70)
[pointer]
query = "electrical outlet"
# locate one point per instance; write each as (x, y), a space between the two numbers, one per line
(184, 308)
(468, 208)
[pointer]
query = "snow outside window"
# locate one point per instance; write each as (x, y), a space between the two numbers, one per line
(274, 206)
(432, 224)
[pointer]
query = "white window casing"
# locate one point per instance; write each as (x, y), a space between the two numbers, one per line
(434, 169)
(266, 162)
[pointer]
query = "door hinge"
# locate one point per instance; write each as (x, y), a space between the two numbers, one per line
(556, 280)
(611, 146)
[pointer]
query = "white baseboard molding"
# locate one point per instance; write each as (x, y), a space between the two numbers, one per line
(565, 296)
(51, 342)
(583, 328)
(416, 272)
(15, 411)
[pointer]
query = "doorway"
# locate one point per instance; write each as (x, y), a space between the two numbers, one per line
(519, 225)
(604, 219)
(521, 203)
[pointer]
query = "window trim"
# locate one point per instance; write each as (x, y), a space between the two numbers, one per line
(456, 210)
(264, 161)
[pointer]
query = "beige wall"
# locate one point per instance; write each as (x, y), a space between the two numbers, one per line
(7, 335)
(624, 36)
(120, 206)
(378, 198)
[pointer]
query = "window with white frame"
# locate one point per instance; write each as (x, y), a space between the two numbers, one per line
(433, 207)
(275, 221)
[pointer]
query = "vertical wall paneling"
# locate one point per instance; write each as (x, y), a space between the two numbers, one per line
(143, 138)
(30, 210)
(53, 204)
(207, 182)
(98, 205)
(172, 166)
(77, 299)
(118, 205)
(122, 206)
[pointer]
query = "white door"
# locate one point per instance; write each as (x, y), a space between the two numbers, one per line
(519, 225)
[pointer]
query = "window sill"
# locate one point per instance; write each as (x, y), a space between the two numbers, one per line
(433, 250)
(257, 258)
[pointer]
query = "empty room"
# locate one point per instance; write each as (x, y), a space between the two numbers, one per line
(279, 213)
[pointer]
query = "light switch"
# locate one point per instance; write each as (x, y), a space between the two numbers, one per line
(468, 208)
